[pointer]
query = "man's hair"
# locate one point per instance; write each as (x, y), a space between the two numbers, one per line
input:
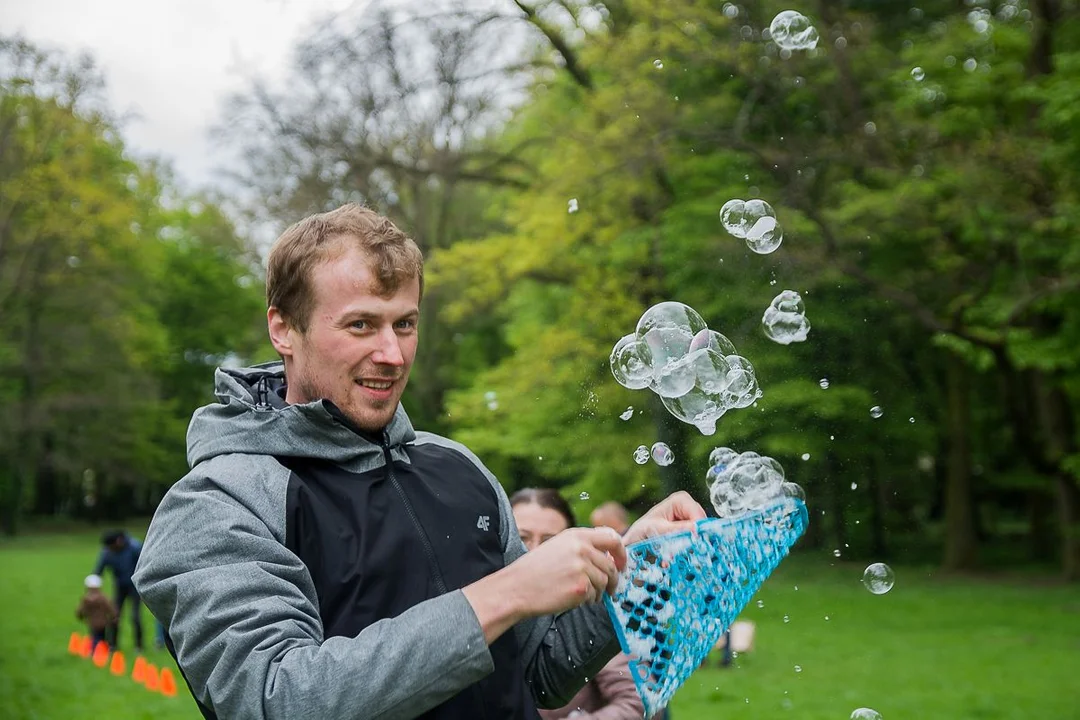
(545, 498)
(394, 257)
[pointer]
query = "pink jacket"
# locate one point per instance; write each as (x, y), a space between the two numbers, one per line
(610, 695)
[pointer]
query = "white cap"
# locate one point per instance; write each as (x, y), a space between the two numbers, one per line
(92, 581)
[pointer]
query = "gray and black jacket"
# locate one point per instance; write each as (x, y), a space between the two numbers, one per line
(304, 569)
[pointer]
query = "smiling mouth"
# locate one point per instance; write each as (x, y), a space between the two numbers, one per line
(376, 384)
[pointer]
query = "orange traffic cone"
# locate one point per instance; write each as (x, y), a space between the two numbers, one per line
(118, 666)
(151, 679)
(138, 671)
(87, 646)
(101, 654)
(75, 643)
(168, 683)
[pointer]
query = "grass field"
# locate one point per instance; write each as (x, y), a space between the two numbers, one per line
(934, 647)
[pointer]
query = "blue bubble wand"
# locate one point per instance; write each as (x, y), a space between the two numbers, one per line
(680, 592)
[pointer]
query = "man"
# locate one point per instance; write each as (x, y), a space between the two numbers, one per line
(611, 514)
(120, 553)
(324, 560)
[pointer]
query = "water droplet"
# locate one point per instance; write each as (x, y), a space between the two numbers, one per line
(824, 383)
(918, 74)
(876, 412)
(571, 206)
(836, 552)
(641, 455)
(761, 603)
(583, 496)
(911, 420)
(854, 486)
(658, 64)
(787, 619)
(798, 668)
(627, 413)
(826, 618)
(806, 456)
(878, 578)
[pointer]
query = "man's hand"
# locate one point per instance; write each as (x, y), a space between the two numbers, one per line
(678, 512)
(575, 567)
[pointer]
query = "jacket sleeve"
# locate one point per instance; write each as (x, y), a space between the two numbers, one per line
(560, 651)
(100, 567)
(243, 616)
(616, 687)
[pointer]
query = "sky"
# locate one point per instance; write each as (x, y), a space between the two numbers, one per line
(168, 64)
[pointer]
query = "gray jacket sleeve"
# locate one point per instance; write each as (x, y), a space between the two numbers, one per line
(560, 652)
(243, 616)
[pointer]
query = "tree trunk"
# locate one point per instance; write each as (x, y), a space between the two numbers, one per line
(961, 542)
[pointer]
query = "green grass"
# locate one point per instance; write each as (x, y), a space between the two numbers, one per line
(934, 647)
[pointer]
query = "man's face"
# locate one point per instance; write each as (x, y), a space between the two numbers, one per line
(359, 345)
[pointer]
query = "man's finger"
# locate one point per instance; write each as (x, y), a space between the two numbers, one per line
(682, 506)
(609, 541)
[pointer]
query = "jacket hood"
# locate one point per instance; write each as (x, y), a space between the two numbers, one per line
(251, 416)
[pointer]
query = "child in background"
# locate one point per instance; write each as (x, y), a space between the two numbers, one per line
(96, 609)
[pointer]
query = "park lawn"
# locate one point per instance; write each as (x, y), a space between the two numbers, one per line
(934, 647)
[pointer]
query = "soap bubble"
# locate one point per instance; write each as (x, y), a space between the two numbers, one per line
(658, 64)
(662, 455)
(631, 363)
(784, 320)
(865, 714)
(627, 413)
(492, 400)
(918, 73)
(754, 221)
(805, 456)
(876, 412)
(583, 496)
(641, 455)
(792, 30)
(824, 383)
(878, 578)
(739, 482)
(836, 552)
(571, 206)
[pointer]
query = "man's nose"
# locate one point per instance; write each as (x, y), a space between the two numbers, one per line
(389, 352)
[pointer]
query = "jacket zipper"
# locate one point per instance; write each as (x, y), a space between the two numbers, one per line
(428, 550)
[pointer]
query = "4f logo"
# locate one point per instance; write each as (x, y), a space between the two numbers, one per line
(483, 522)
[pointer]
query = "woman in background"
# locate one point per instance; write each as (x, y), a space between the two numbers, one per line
(541, 514)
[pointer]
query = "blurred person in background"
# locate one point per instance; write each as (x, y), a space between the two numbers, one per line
(120, 553)
(541, 514)
(611, 514)
(96, 610)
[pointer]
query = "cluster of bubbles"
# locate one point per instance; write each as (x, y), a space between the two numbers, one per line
(878, 578)
(792, 30)
(785, 320)
(492, 400)
(661, 454)
(753, 221)
(695, 371)
(740, 482)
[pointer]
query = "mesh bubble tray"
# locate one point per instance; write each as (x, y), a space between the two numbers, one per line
(680, 592)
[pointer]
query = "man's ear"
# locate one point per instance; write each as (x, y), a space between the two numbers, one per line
(282, 335)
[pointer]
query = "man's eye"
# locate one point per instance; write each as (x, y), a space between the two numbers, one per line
(360, 324)
(406, 324)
